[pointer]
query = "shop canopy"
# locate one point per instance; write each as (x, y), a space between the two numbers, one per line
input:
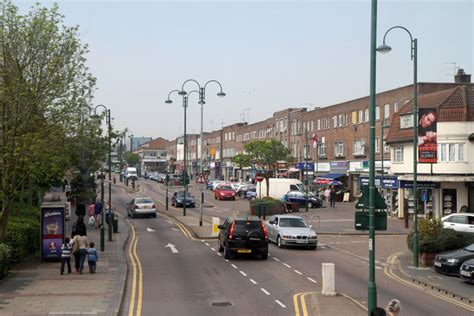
(333, 176)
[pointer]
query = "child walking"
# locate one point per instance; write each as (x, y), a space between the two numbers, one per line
(92, 257)
(66, 255)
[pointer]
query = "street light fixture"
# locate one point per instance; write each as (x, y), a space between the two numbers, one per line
(202, 101)
(384, 48)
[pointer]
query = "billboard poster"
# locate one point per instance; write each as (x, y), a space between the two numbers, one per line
(427, 136)
(52, 232)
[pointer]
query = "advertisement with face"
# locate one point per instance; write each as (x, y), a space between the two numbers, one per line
(427, 136)
(52, 232)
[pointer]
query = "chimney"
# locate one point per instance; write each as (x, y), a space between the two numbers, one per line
(462, 77)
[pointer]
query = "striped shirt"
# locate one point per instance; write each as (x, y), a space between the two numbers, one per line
(66, 250)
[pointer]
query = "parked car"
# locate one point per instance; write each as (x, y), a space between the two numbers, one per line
(450, 262)
(300, 198)
(178, 198)
(236, 186)
(224, 192)
(243, 236)
(290, 230)
(141, 206)
(467, 271)
(251, 193)
(153, 176)
(242, 191)
(210, 182)
(216, 183)
(461, 222)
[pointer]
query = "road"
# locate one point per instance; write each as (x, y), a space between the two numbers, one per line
(175, 274)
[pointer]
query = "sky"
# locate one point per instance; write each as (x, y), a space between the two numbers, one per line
(268, 55)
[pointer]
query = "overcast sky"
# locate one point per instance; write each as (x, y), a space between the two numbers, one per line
(268, 55)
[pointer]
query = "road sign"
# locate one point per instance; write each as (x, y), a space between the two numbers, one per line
(201, 179)
(259, 177)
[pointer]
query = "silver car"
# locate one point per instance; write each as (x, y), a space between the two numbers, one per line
(290, 230)
(143, 206)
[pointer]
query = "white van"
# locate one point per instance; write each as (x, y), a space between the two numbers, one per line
(279, 187)
(131, 173)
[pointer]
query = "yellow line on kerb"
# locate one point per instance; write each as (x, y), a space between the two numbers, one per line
(134, 282)
(299, 298)
(132, 253)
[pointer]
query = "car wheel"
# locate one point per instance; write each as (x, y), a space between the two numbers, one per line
(227, 253)
(264, 256)
(279, 244)
(132, 215)
(310, 204)
(233, 199)
(219, 246)
(313, 247)
(154, 215)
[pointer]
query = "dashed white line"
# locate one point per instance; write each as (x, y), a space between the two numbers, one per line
(206, 244)
(312, 280)
(253, 281)
(265, 291)
(287, 265)
(378, 268)
(203, 241)
(280, 303)
(276, 259)
(226, 260)
(213, 249)
(234, 266)
(297, 272)
(243, 273)
(219, 254)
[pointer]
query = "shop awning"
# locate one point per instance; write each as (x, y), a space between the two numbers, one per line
(292, 170)
(333, 176)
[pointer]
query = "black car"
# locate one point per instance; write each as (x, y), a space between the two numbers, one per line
(450, 262)
(243, 236)
(467, 271)
(242, 192)
(300, 198)
(178, 198)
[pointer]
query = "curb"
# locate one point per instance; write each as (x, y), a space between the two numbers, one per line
(359, 234)
(123, 265)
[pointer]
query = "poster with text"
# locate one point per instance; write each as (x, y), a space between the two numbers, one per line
(427, 136)
(52, 232)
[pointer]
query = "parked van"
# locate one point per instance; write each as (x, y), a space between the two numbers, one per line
(131, 173)
(279, 187)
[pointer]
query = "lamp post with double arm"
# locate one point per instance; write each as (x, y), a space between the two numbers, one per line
(384, 48)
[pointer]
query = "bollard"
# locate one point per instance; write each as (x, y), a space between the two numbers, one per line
(329, 280)
(115, 180)
(133, 184)
(215, 228)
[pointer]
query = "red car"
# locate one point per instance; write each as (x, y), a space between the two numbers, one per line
(224, 192)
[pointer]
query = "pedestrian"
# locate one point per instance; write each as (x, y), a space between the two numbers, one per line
(327, 192)
(393, 307)
(97, 212)
(79, 228)
(92, 257)
(79, 248)
(332, 197)
(80, 209)
(66, 249)
(378, 311)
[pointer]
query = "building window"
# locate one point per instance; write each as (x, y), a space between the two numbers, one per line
(451, 152)
(339, 149)
(398, 154)
(312, 125)
(318, 125)
(406, 121)
(386, 113)
(396, 106)
(359, 147)
(322, 150)
(407, 101)
(334, 121)
(366, 116)
(354, 117)
(377, 145)
(377, 113)
(325, 123)
(361, 116)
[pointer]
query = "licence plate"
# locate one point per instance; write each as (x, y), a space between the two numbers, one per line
(244, 251)
(438, 264)
(301, 241)
(146, 206)
(465, 273)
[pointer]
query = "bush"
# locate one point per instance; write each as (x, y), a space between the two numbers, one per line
(5, 253)
(23, 237)
(428, 231)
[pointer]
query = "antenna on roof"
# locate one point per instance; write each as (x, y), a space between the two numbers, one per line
(453, 67)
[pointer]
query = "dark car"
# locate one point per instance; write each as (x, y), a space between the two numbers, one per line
(242, 191)
(450, 262)
(178, 198)
(243, 236)
(300, 198)
(251, 193)
(467, 271)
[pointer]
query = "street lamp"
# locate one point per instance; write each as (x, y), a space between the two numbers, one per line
(384, 48)
(202, 101)
(109, 127)
(306, 159)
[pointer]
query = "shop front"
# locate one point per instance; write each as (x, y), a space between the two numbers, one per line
(388, 187)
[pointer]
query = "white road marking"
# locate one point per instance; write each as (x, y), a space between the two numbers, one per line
(206, 244)
(149, 230)
(170, 222)
(219, 254)
(172, 247)
(253, 281)
(276, 259)
(378, 268)
(264, 291)
(175, 229)
(312, 280)
(287, 265)
(298, 272)
(280, 303)
(226, 260)
(213, 249)
(203, 241)
(243, 273)
(234, 266)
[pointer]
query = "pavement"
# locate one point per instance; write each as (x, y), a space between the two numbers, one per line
(37, 288)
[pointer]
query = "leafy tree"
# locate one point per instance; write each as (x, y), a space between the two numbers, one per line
(265, 155)
(131, 159)
(242, 160)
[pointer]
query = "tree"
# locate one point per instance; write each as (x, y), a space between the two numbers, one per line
(265, 155)
(242, 160)
(131, 159)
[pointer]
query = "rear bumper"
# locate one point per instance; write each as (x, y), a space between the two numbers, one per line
(144, 212)
(237, 247)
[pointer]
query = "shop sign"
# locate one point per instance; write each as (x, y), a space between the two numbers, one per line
(420, 184)
(52, 232)
(388, 182)
(309, 166)
(339, 166)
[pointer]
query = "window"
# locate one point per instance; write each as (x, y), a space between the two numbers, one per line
(398, 154)
(359, 147)
(318, 125)
(396, 106)
(406, 121)
(354, 117)
(377, 113)
(366, 116)
(334, 121)
(312, 126)
(451, 152)
(361, 116)
(325, 123)
(322, 150)
(341, 120)
(386, 112)
(339, 149)
(377, 145)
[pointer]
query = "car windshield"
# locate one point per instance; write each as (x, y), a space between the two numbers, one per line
(143, 200)
(292, 222)
(470, 248)
(225, 188)
(181, 194)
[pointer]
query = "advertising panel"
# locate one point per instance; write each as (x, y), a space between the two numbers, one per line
(52, 232)
(427, 136)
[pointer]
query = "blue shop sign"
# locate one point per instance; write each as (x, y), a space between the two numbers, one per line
(420, 185)
(309, 166)
(388, 182)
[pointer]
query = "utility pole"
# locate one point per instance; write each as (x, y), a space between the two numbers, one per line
(306, 158)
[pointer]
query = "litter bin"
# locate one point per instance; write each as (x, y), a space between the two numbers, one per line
(115, 224)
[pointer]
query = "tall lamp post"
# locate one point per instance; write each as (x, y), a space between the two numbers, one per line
(306, 159)
(202, 101)
(384, 48)
(109, 127)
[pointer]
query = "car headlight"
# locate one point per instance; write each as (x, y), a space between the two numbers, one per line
(453, 260)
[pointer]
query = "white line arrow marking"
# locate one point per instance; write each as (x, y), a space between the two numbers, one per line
(172, 247)
(175, 229)
(150, 230)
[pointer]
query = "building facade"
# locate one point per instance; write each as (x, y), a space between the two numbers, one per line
(153, 156)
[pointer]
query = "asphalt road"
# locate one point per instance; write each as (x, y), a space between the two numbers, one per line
(184, 276)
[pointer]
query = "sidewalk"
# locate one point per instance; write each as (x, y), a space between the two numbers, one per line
(37, 288)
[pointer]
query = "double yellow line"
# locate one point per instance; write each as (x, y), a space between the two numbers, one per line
(389, 272)
(137, 283)
(299, 299)
(183, 228)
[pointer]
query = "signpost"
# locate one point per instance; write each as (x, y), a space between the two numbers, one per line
(201, 184)
(52, 230)
(259, 178)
